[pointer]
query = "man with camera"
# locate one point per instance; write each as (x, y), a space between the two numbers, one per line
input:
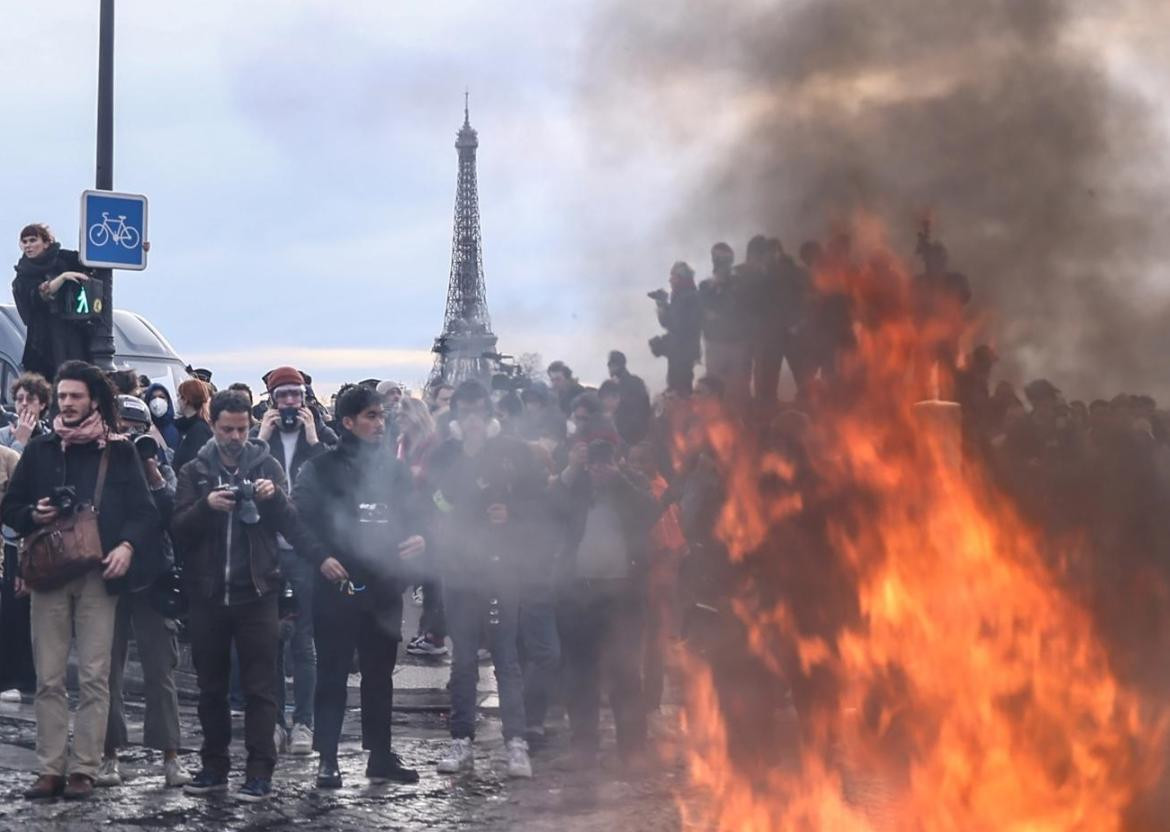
(680, 316)
(68, 482)
(289, 428)
(230, 506)
(359, 501)
(138, 612)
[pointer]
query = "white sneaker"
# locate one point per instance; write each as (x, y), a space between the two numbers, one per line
(175, 774)
(280, 739)
(301, 741)
(518, 763)
(108, 774)
(459, 757)
(11, 695)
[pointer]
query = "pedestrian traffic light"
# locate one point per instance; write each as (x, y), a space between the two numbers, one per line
(83, 301)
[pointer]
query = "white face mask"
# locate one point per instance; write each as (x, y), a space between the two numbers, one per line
(158, 407)
(571, 427)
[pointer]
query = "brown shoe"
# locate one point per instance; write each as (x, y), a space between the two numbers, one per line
(47, 787)
(79, 787)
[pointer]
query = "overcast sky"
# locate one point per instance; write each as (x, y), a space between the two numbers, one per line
(299, 161)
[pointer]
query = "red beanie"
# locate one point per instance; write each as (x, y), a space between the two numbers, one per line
(283, 376)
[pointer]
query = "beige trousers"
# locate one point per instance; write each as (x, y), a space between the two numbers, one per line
(80, 611)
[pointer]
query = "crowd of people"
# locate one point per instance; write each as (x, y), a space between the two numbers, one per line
(561, 531)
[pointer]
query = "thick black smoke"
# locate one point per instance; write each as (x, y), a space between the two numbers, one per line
(1001, 118)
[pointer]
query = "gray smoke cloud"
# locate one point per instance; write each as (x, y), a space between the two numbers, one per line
(1007, 121)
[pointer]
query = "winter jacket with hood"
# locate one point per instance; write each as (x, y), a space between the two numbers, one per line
(166, 424)
(52, 339)
(127, 512)
(206, 537)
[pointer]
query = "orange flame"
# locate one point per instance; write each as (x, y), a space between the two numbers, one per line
(973, 690)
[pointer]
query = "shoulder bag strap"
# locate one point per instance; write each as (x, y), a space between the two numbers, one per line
(103, 467)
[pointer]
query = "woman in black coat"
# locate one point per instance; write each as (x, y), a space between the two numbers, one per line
(195, 422)
(41, 274)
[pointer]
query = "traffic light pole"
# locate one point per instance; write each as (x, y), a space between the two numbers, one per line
(102, 346)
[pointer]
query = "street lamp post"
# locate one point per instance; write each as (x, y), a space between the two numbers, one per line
(102, 346)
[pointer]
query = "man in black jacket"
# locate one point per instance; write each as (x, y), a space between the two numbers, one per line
(679, 315)
(84, 609)
(230, 505)
(289, 427)
(358, 500)
(607, 513)
(633, 412)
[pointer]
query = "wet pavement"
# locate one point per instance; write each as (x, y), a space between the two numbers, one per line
(560, 796)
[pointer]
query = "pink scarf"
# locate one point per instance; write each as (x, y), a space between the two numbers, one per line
(91, 429)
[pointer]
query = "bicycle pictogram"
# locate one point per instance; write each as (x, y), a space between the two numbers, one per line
(116, 231)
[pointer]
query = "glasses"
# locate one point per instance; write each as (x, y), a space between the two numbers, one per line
(348, 587)
(288, 395)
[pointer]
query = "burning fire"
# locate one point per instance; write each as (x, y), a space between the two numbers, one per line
(962, 685)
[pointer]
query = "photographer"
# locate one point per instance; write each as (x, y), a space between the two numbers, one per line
(680, 316)
(289, 428)
(154, 635)
(61, 481)
(607, 514)
(360, 502)
(230, 505)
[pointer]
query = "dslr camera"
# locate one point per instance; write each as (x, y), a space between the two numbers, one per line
(64, 499)
(244, 494)
(658, 295)
(660, 345)
(290, 417)
(146, 445)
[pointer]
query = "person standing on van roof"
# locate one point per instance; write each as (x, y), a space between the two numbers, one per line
(41, 273)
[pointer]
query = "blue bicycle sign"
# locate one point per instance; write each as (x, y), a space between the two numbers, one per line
(101, 233)
(113, 229)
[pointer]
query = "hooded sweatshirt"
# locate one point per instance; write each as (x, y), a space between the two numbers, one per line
(165, 424)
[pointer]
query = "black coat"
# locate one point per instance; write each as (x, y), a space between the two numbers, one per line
(200, 533)
(681, 318)
(359, 503)
(127, 512)
(196, 434)
(634, 411)
(52, 339)
(301, 454)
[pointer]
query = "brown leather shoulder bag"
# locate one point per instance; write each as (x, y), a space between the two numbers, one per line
(68, 547)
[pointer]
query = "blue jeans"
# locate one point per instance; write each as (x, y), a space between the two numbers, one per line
(468, 612)
(540, 650)
(299, 638)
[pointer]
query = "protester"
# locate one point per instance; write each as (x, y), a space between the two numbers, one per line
(632, 418)
(16, 667)
(439, 400)
(154, 636)
(417, 438)
(84, 453)
(162, 414)
(31, 394)
(726, 346)
(359, 501)
(607, 512)
(230, 505)
(679, 314)
(289, 428)
(485, 488)
(42, 273)
(566, 388)
(193, 423)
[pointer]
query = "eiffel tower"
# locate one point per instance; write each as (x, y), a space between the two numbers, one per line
(467, 347)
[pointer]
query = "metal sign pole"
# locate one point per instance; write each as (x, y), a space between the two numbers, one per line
(102, 346)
